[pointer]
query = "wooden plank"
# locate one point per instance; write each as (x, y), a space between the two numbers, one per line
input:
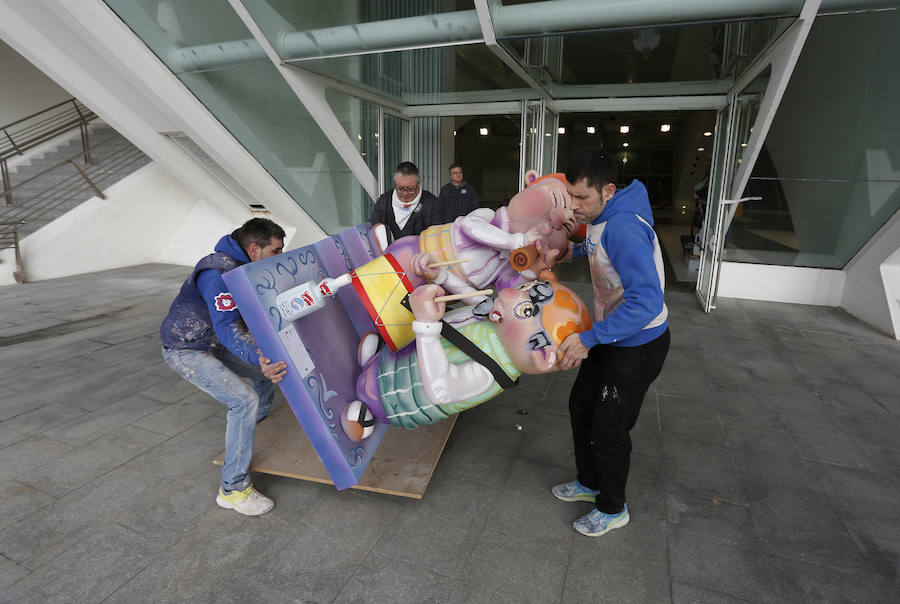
(402, 465)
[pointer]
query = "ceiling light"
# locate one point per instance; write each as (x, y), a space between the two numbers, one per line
(548, 134)
(454, 133)
(376, 135)
(624, 144)
(707, 133)
(591, 130)
(624, 160)
(561, 130)
(700, 149)
(483, 131)
(624, 129)
(359, 136)
(743, 144)
(665, 127)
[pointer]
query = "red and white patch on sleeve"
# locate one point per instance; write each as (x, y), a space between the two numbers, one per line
(224, 302)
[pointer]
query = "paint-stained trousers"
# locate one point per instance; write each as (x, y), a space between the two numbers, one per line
(604, 405)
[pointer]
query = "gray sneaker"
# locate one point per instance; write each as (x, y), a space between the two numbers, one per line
(597, 523)
(574, 491)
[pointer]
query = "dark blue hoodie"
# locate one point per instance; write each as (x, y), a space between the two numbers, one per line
(626, 271)
(204, 314)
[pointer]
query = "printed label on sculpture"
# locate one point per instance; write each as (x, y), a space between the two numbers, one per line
(296, 350)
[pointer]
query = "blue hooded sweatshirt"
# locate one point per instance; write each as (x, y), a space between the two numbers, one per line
(204, 313)
(626, 271)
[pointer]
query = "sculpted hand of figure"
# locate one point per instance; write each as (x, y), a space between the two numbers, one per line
(419, 264)
(423, 305)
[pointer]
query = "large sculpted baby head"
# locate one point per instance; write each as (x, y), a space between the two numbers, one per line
(543, 206)
(533, 320)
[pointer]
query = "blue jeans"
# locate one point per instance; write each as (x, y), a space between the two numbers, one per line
(219, 373)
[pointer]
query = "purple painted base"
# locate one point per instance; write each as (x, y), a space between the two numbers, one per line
(320, 348)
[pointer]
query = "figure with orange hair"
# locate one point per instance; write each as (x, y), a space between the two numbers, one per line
(424, 383)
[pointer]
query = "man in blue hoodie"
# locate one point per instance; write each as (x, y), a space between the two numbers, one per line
(207, 343)
(625, 349)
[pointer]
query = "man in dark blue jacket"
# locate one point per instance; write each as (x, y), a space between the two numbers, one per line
(625, 349)
(207, 343)
(458, 197)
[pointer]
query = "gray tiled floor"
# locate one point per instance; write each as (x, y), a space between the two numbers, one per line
(765, 469)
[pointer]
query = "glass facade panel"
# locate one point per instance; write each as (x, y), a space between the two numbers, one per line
(303, 30)
(829, 171)
(452, 74)
(255, 104)
(396, 146)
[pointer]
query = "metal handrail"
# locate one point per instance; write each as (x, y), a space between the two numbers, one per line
(30, 131)
(12, 240)
(80, 182)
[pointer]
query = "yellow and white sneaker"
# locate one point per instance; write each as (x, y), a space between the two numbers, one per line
(249, 502)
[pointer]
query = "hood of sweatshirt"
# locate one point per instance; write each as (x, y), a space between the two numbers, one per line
(632, 199)
(230, 246)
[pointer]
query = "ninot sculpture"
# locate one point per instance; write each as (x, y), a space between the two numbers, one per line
(440, 374)
(325, 308)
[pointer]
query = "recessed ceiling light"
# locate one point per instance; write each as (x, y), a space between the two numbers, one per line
(483, 131)
(624, 144)
(376, 135)
(591, 129)
(624, 160)
(359, 136)
(548, 134)
(561, 130)
(454, 133)
(707, 133)
(624, 129)
(665, 127)
(700, 149)
(743, 144)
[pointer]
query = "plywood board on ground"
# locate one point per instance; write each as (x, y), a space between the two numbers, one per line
(402, 465)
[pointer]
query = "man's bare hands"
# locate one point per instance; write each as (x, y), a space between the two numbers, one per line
(273, 371)
(571, 352)
(546, 257)
(423, 305)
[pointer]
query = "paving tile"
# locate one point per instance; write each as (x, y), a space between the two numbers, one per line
(46, 417)
(711, 518)
(18, 500)
(690, 418)
(800, 581)
(767, 451)
(682, 593)
(700, 468)
(380, 579)
(356, 519)
(10, 572)
(720, 566)
(479, 453)
(797, 521)
(90, 570)
(29, 453)
(84, 464)
(439, 532)
(177, 417)
(98, 423)
(634, 565)
(188, 455)
(512, 569)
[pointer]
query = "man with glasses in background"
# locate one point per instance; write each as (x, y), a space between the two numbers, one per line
(407, 209)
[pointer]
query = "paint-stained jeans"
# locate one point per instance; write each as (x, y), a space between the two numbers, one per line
(219, 373)
(604, 405)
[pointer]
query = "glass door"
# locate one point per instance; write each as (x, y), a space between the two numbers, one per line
(740, 132)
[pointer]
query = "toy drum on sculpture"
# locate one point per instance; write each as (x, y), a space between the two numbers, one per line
(382, 285)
